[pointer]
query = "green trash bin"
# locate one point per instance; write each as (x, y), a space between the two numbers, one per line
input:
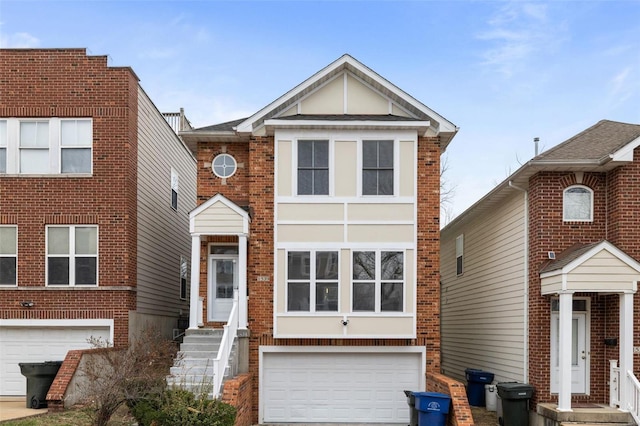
(40, 376)
(515, 403)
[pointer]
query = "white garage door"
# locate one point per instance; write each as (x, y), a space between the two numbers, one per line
(38, 344)
(338, 387)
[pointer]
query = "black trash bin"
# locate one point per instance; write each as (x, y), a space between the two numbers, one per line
(40, 376)
(476, 379)
(515, 403)
(413, 412)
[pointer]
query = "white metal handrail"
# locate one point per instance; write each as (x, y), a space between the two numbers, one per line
(633, 392)
(221, 361)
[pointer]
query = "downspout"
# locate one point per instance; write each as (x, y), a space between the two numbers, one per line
(525, 279)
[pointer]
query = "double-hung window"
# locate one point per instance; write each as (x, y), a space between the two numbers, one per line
(34, 147)
(174, 189)
(313, 167)
(76, 140)
(183, 278)
(8, 254)
(459, 254)
(45, 146)
(377, 167)
(3, 146)
(378, 281)
(72, 255)
(312, 281)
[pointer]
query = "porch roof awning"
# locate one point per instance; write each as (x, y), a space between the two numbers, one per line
(219, 216)
(598, 267)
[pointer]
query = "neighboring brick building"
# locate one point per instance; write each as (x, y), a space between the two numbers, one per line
(322, 211)
(537, 275)
(95, 192)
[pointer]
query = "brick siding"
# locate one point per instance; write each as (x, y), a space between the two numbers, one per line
(47, 83)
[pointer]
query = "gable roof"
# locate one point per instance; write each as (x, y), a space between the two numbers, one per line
(424, 118)
(600, 148)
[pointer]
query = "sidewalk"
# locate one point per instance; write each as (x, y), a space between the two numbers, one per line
(15, 408)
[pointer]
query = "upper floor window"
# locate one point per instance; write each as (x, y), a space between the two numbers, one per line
(578, 204)
(46, 146)
(224, 166)
(459, 254)
(313, 167)
(183, 278)
(174, 189)
(72, 255)
(377, 167)
(3, 146)
(378, 281)
(76, 139)
(312, 281)
(34, 147)
(8, 254)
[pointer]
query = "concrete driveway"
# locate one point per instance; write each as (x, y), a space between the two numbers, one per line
(15, 408)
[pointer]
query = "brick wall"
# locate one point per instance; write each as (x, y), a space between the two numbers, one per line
(47, 83)
(459, 412)
(238, 392)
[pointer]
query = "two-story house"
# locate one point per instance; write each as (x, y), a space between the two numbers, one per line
(539, 278)
(95, 194)
(317, 236)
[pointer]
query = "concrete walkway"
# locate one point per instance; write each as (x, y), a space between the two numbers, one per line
(15, 408)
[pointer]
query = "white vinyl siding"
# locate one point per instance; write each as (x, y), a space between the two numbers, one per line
(163, 233)
(483, 313)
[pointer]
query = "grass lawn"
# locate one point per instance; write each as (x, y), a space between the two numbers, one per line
(74, 417)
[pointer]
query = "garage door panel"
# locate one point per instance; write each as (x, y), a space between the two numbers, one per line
(38, 344)
(338, 387)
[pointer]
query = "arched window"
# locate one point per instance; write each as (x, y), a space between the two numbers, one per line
(578, 204)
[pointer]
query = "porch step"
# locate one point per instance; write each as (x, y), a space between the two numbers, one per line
(597, 424)
(597, 416)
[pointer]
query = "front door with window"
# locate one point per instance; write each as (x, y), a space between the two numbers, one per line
(579, 353)
(223, 279)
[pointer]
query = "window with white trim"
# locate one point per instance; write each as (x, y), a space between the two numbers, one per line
(312, 281)
(313, 167)
(577, 204)
(378, 281)
(3, 146)
(174, 189)
(8, 255)
(377, 167)
(76, 141)
(184, 267)
(460, 254)
(72, 255)
(46, 146)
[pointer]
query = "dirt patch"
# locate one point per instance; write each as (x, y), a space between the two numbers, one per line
(483, 417)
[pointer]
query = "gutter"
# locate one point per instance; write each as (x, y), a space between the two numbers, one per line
(525, 279)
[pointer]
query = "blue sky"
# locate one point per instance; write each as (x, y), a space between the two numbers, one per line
(503, 71)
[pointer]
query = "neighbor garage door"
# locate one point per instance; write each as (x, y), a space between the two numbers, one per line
(38, 344)
(338, 387)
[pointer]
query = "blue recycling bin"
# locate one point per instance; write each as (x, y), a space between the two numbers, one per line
(432, 407)
(476, 379)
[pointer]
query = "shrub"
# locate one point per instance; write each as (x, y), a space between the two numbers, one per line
(181, 407)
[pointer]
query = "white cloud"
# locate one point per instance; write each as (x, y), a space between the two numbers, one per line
(515, 34)
(18, 40)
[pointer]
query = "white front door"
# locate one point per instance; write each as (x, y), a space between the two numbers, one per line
(579, 353)
(223, 279)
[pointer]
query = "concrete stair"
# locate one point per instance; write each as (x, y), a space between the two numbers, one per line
(595, 416)
(193, 367)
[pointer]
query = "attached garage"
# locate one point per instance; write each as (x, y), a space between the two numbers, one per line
(354, 385)
(42, 341)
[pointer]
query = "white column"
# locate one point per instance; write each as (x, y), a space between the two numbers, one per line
(626, 347)
(195, 282)
(565, 315)
(242, 281)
